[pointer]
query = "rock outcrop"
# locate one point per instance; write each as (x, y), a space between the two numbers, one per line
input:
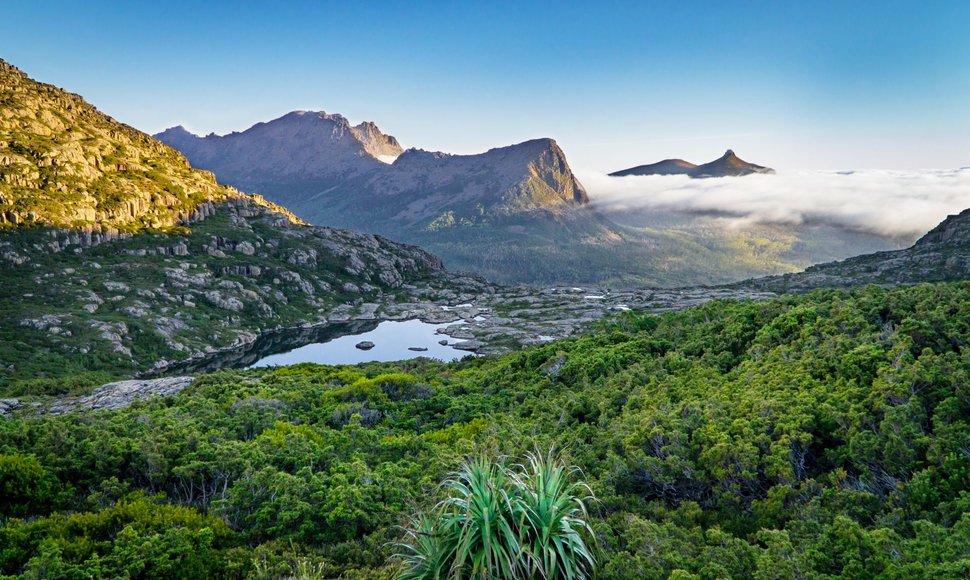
(118, 395)
(106, 397)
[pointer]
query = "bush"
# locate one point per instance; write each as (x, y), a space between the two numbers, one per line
(526, 521)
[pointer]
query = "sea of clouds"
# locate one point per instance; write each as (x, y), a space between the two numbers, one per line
(888, 203)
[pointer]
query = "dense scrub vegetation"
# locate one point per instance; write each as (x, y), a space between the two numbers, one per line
(822, 435)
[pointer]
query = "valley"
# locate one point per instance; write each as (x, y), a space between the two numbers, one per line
(305, 351)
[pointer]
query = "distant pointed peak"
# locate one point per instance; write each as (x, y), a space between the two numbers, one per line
(729, 153)
(177, 130)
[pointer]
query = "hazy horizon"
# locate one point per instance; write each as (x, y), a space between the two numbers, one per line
(794, 86)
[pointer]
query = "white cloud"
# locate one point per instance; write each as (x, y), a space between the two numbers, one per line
(891, 203)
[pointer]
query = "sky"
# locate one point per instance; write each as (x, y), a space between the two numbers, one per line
(790, 84)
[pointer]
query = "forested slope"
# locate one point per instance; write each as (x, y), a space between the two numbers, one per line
(812, 436)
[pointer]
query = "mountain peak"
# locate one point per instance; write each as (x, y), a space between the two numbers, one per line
(178, 130)
(726, 165)
(315, 143)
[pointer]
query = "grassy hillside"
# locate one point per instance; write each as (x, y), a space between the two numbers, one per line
(815, 436)
(64, 163)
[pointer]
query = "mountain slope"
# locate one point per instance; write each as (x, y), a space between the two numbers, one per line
(64, 163)
(728, 165)
(665, 167)
(942, 254)
(122, 263)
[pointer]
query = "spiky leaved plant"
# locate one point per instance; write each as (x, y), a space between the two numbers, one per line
(526, 522)
(551, 505)
(427, 549)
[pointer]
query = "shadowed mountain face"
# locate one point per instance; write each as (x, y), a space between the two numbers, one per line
(495, 213)
(665, 167)
(299, 145)
(330, 172)
(728, 165)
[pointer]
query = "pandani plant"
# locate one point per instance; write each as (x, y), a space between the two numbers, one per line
(527, 520)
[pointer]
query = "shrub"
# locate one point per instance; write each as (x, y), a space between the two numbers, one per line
(526, 521)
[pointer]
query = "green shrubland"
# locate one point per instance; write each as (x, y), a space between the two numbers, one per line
(814, 436)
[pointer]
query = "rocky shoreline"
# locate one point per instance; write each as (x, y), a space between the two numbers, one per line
(484, 324)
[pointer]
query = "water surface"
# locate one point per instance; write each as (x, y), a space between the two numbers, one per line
(391, 339)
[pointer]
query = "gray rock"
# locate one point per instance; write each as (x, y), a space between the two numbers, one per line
(364, 345)
(8, 406)
(118, 395)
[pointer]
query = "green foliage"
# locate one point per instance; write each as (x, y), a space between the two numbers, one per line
(500, 522)
(812, 436)
(23, 484)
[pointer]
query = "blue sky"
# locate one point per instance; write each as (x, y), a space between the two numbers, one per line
(792, 84)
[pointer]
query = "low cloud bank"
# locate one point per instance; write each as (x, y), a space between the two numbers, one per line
(888, 203)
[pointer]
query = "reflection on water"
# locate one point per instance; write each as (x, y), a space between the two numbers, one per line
(392, 341)
(325, 344)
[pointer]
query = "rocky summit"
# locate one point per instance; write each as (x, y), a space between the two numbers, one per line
(728, 165)
(296, 147)
(332, 173)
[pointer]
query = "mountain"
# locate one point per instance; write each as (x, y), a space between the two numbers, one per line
(116, 255)
(298, 146)
(514, 214)
(728, 165)
(329, 172)
(665, 167)
(496, 213)
(942, 254)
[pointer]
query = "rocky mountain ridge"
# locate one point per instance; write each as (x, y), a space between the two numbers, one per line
(514, 214)
(328, 172)
(942, 254)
